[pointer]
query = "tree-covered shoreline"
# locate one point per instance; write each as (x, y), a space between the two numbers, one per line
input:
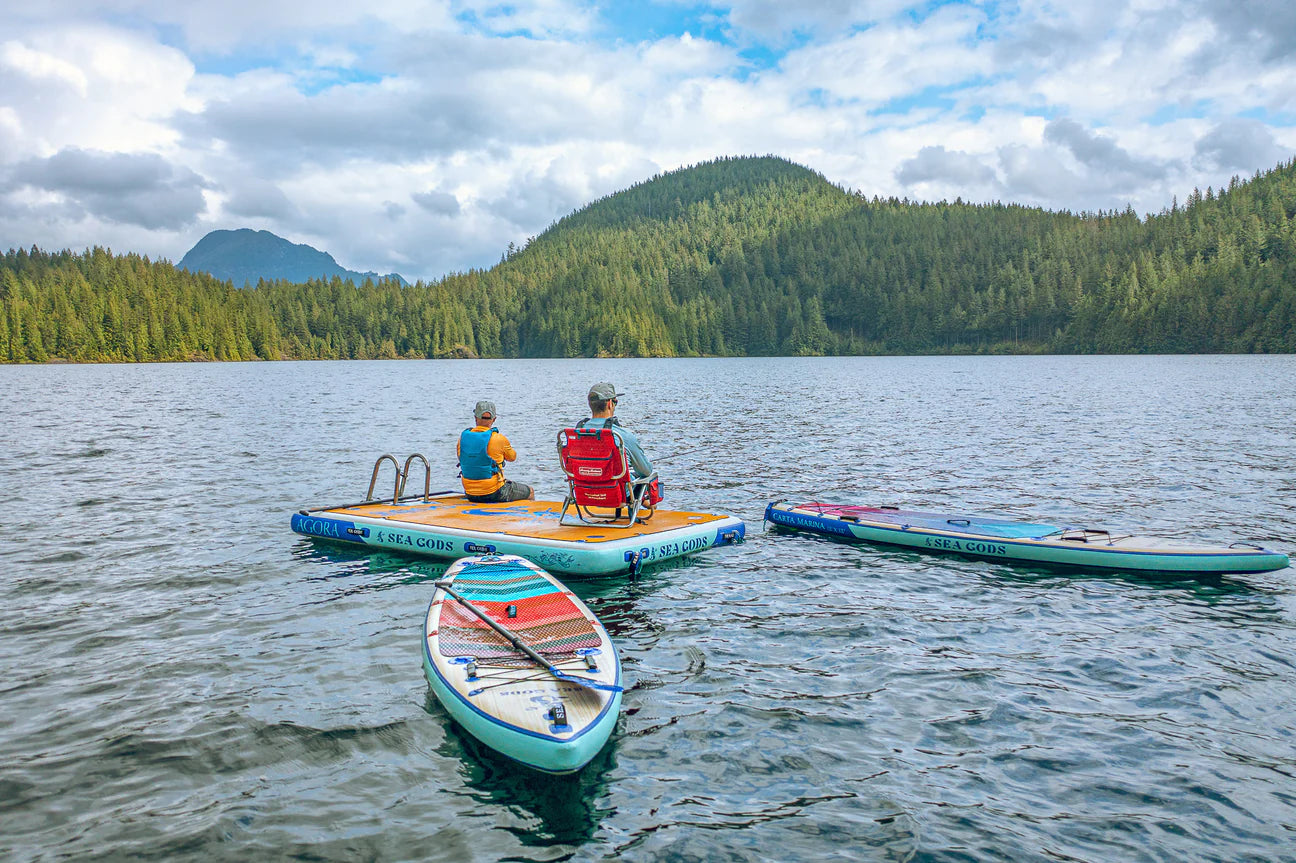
(742, 256)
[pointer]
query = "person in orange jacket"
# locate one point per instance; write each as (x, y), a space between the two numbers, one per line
(482, 451)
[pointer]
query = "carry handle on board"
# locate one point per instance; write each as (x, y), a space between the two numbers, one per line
(1083, 534)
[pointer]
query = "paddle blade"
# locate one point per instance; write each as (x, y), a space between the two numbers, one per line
(587, 683)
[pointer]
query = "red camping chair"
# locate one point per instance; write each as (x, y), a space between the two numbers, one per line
(598, 475)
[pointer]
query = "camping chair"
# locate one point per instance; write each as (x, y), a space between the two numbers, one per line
(598, 475)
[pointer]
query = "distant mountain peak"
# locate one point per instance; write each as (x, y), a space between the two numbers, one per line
(243, 256)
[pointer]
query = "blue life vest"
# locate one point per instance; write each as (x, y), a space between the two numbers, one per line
(474, 461)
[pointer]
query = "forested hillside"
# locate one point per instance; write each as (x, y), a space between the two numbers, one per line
(732, 257)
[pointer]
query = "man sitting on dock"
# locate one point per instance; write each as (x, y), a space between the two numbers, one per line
(602, 404)
(482, 451)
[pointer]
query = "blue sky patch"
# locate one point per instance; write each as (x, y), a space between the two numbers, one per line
(238, 62)
(1269, 118)
(929, 97)
(647, 21)
(1172, 111)
(940, 97)
(319, 80)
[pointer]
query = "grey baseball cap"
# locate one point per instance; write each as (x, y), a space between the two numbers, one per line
(485, 409)
(604, 391)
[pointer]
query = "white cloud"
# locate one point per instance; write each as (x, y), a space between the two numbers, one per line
(233, 25)
(1237, 144)
(250, 198)
(1100, 153)
(893, 60)
(1036, 175)
(437, 202)
(934, 164)
(41, 66)
(425, 135)
(92, 87)
(141, 189)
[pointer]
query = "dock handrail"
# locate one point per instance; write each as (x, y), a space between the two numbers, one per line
(450, 492)
(396, 493)
(427, 477)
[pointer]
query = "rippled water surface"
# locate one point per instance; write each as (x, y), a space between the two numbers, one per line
(186, 679)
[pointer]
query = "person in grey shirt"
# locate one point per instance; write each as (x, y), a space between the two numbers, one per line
(602, 403)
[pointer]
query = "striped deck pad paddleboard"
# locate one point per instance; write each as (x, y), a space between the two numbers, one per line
(451, 527)
(497, 692)
(1007, 539)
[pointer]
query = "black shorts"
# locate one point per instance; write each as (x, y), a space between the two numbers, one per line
(509, 491)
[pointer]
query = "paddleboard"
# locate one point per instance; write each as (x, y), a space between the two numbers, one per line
(496, 684)
(1003, 539)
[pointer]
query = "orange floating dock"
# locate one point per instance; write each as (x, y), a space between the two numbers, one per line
(452, 527)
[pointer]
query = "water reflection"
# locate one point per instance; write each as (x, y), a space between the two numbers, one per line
(1208, 588)
(562, 809)
(363, 571)
(1205, 587)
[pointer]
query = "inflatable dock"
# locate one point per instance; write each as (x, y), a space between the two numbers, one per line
(450, 526)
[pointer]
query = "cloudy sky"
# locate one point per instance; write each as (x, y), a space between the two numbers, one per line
(423, 136)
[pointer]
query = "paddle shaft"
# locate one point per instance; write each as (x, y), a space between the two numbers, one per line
(513, 638)
(678, 454)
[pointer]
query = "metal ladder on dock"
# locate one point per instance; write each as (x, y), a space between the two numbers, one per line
(402, 476)
(398, 489)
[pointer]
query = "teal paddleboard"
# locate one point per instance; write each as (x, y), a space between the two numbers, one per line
(521, 663)
(1009, 540)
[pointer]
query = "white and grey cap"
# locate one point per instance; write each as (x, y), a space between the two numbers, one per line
(485, 409)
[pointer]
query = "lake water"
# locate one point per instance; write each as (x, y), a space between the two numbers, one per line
(183, 678)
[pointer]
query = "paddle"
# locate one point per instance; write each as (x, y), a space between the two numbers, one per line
(678, 454)
(517, 642)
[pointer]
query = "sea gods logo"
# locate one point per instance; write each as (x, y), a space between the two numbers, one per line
(427, 543)
(684, 546)
(971, 547)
